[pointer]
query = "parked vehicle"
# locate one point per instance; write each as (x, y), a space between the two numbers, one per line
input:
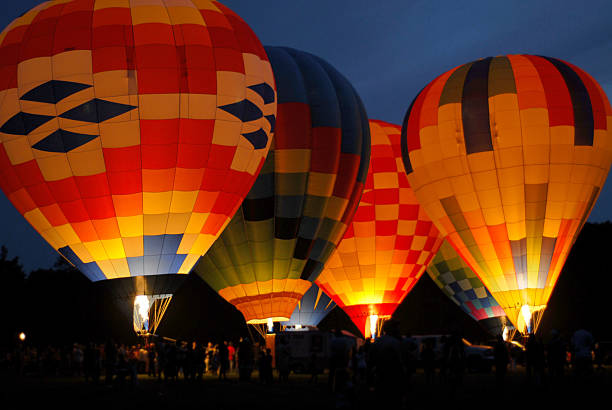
(479, 358)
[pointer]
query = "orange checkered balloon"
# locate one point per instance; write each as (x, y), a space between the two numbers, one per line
(508, 155)
(130, 131)
(389, 243)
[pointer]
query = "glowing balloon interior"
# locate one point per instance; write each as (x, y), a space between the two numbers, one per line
(300, 206)
(131, 131)
(389, 242)
(508, 155)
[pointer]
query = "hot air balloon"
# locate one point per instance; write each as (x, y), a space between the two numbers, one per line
(455, 278)
(301, 203)
(389, 243)
(508, 155)
(131, 131)
(310, 310)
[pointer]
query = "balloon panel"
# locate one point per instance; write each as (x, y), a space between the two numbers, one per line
(303, 199)
(130, 134)
(311, 309)
(455, 278)
(389, 242)
(508, 155)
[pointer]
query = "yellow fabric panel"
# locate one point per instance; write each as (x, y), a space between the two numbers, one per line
(182, 201)
(184, 15)
(158, 106)
(320, 184)
(35, 71)
(86, 163)
(18, 150)
(54, 238)
(121, 267)
(187, 242)
(226, 132)
(36, 218)
(195, 106)
(242, 158)
(155, 224)
(188, 263)
(68, 234)
(105, 4)
(292, 160)
(196, 222)
(54, 168)
(177, 223)
(385, 180)
(154, 203)
(81, 251)
(107, 268)
(149, 14)
(113, 248)
(96, 250)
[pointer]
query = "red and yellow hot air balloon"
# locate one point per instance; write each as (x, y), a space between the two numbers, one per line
(130, 131)
(508, 155)
(389, 243)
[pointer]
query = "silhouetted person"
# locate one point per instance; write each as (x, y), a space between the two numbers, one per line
(387, 361)
(224, 360)
(456, 363)
(245, 359)
(501, 357)
(88, 361)
(339, 359)
(409, 357)
(428, 358)
(151, 356)
(283, 359)
(198, 361)
(265, 367)
(582, 351)
(110, 357)
(443, 362)
(556, 355)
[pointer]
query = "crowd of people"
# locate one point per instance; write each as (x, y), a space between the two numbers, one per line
(109, 362)
(385, 365)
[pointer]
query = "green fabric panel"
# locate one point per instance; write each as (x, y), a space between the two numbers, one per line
(262, 251)
(293, 184)
(260, 231)
(501, 77)
(281, 267)
(283, 248)
(314, 206)
(453, 89)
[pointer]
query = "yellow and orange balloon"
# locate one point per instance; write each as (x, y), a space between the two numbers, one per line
(131, 131)
(508, 155)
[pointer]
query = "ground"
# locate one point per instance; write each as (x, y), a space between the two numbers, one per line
(477, 391)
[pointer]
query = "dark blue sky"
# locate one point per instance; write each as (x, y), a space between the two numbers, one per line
(390, 49)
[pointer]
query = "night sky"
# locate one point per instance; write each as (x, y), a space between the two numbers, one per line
(390, 50)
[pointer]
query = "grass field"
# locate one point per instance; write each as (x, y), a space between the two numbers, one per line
(478, 391)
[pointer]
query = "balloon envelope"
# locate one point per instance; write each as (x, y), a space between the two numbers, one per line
(304, 197)
(131, 131)
(508, 156)
(389, 243)
(311, 309)
(457, 280)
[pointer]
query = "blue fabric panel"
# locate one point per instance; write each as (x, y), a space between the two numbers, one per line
(322, 97)
(151, 264)
(136, 265)
(153, 244)
(289, 81)
(171, 243)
